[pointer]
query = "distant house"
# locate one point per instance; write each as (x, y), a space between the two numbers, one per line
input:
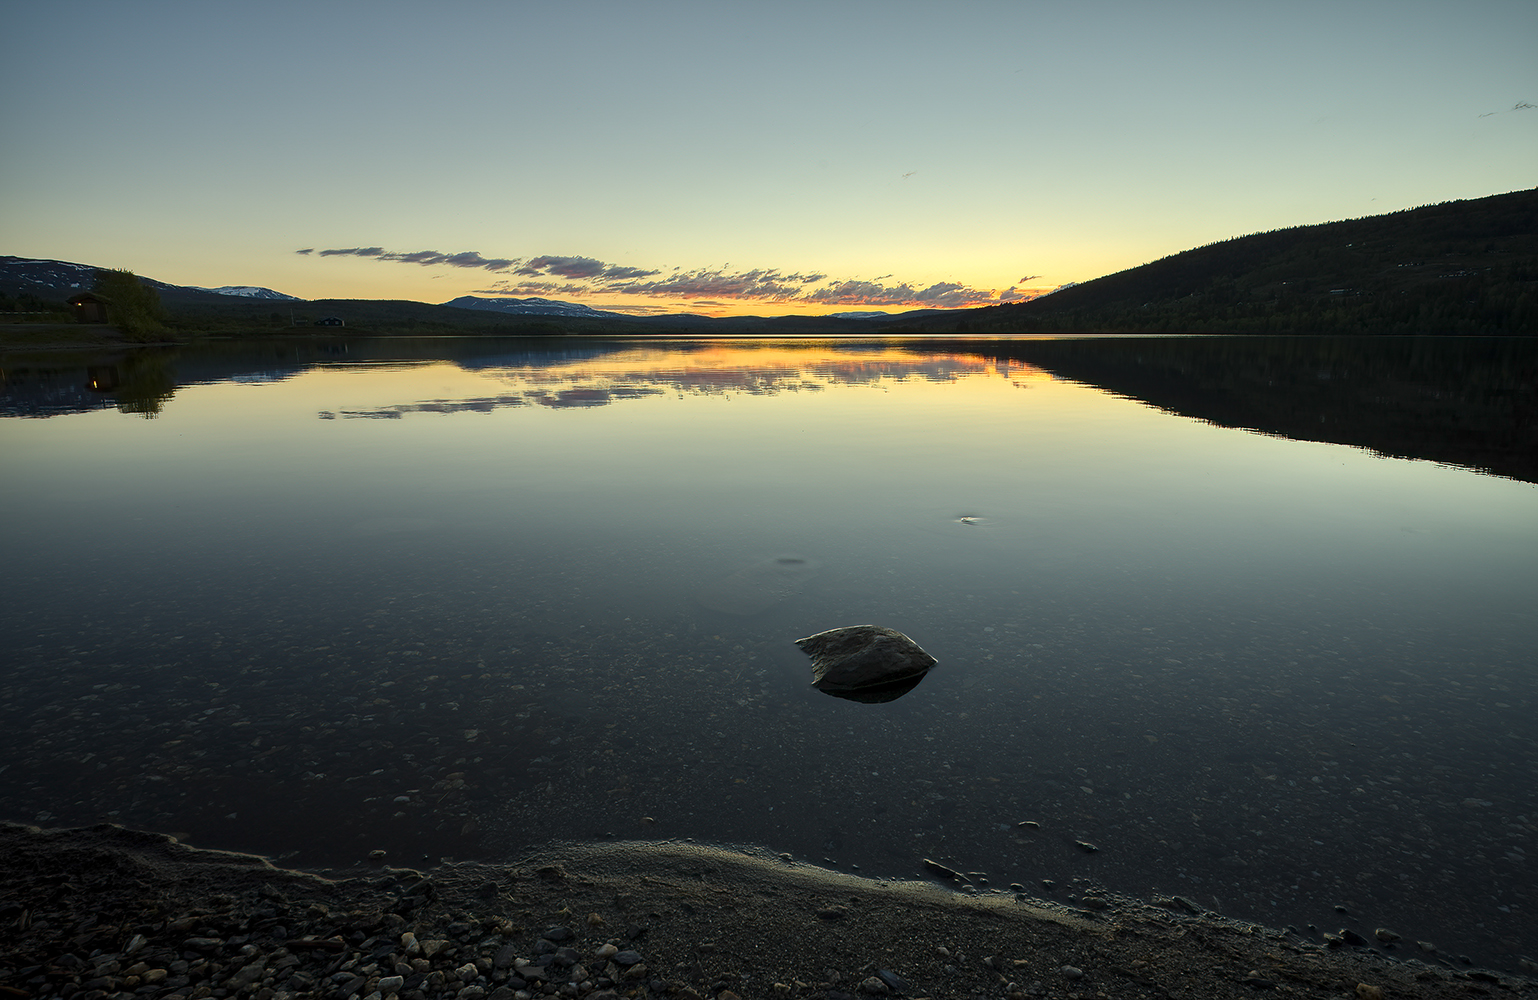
(88, 307)
(330, 321)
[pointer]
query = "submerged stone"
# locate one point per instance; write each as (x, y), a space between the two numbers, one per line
(865, 662)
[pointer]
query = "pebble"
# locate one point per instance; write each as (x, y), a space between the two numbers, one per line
(302, 949)
(372, 959)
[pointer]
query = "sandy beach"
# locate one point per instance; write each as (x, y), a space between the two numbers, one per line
(105, 912)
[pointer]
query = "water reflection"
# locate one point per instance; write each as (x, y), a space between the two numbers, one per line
(1469, 401)
(1271, 675)
(136, 382)
(1462, 400)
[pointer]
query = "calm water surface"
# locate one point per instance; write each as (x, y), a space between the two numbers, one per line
(455, 599)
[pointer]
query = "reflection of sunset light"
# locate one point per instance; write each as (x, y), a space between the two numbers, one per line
(833, 363)
(651, 371)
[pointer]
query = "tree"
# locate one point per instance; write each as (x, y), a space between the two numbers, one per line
(132, 305)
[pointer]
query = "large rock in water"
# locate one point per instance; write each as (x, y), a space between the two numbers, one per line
(865, 662)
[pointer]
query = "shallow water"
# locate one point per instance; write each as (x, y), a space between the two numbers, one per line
(453, 599)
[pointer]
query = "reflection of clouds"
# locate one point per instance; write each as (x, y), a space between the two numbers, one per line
(592, 397)
(585, 382)
(757, 379)
(481, 404)
(572, 397)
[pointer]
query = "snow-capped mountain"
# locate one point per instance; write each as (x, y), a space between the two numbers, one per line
(249, 292)
(532, 307)
(59, 279)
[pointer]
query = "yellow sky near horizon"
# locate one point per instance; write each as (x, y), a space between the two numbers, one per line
(736, 160)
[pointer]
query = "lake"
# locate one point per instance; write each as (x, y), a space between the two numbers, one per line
(1254, 618)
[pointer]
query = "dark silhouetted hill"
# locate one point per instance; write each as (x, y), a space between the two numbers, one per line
(1460, 267)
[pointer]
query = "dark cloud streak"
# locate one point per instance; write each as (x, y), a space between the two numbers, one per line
(1519, 106)
(571, 276)
(425, 258)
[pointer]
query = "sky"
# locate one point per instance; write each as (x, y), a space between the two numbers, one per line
(735, 158)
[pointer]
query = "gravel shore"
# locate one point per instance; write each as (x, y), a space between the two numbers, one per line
(103, 912)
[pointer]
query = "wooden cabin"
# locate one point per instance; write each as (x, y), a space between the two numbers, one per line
(88, 307)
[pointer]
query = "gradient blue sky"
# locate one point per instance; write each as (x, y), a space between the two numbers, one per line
(735, 158)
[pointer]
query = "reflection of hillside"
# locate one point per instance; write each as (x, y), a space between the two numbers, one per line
(139, 381)
(1460, 400)
(47, 392)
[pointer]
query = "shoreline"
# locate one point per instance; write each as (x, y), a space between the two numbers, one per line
(124, 913)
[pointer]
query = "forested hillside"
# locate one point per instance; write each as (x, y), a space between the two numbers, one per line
(1461, 267)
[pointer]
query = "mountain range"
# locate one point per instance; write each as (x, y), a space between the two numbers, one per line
(53, 281)
(1459, 267)
(56, 280)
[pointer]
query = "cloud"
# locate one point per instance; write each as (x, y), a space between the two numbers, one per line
(1519, 106)
(941, 295)
(426, 258)
(758, 284)
(582, 268)
(577, 277)
(354, 252)
(565, 267)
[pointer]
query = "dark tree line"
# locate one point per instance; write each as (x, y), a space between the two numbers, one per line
(133, 305)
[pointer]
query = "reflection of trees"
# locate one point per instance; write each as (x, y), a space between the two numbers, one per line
(145, 381)
(135, 381)
(1463, 400)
